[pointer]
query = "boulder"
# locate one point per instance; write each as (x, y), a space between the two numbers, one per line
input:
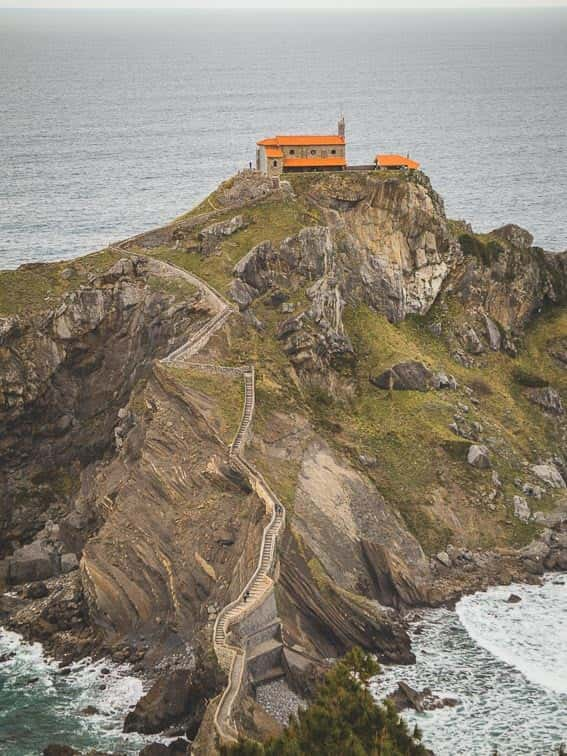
(493, 334)
(89, 711)
(212, 235)
(521, 508)
(34, 561)
(473, 344)
(406, 697)
(224, 536)
(155, 749)
(444, 558)
(478, 456)
(178, 697)
(242, 293)
(549, 474)
(547, 398)
(69, 562)
(368, 460)
(35, 591)
(166, 702)
(444, 381)
(405, 376)
(513, 598)
(178, 747)
(514, 235)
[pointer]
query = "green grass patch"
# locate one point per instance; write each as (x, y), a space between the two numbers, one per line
(179, 288)
(225, 392)
(39, 286)
(269, 219)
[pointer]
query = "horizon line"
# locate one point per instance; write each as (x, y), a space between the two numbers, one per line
(525, 6)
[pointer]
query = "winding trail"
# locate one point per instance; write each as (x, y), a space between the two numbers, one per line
(231, 657)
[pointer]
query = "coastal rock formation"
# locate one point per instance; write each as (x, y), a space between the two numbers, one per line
(127, 525)
(65, 374)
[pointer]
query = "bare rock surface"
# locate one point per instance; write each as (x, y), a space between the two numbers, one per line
(405, 376)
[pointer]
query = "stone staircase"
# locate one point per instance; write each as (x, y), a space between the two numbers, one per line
(247, 413)
(231, 657)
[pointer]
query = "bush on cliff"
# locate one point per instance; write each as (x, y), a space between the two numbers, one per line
(342, 719)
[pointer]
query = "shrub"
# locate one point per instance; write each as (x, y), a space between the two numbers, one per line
(343, 718)
(525, 378)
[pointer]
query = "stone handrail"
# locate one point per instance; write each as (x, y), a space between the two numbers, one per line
(218, 369)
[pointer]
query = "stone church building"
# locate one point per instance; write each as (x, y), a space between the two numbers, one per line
(307, 152)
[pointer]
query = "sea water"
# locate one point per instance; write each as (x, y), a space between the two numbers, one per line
(505, 662)
(112, 122)
(41, 703)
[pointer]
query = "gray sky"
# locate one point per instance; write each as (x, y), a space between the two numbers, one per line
(304, 4)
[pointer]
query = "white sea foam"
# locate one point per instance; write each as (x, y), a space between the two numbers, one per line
(39, 703)
(507, 665)
(530, 635)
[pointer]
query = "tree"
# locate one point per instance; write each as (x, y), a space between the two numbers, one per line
(343, 719)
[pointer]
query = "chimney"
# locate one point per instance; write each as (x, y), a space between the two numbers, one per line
(341, 126)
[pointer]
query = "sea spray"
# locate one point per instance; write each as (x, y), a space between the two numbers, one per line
(41, 703)
(505, 662)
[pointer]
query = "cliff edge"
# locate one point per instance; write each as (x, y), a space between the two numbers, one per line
(410, 380)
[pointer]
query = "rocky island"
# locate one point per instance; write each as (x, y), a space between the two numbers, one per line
(239, 445)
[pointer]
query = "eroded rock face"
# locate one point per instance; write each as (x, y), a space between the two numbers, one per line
(64, 374)
(478, 456)
(178, 698)
(405, 376)
(547, 398)
(502, 282)
(168, 570)
(549, 474)
(514, 235)
(388, 246)
(385, 244)
(211, 236)
(331, 599)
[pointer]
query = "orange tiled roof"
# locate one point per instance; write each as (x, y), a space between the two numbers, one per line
(390, 161)
(302, 140)
(313, 162)
(274, 152)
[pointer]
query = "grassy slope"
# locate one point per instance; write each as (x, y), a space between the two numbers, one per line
(421, 462)
(225, 392)
(36, 287)
(40, 286)
(267, 219)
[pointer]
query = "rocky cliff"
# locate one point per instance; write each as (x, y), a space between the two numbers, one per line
(410, 389)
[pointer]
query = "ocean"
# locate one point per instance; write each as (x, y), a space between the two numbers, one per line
(506, 663)
(112, 122)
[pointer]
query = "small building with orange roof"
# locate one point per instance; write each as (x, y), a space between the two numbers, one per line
(302, 152)
(396, 162)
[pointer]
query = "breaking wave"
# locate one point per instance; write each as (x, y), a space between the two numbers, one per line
(505, 662)
(42, 703)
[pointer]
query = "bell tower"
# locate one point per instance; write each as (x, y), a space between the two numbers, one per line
(341, 126)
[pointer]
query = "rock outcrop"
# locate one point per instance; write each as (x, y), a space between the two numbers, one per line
(65, 375)
(125, 526)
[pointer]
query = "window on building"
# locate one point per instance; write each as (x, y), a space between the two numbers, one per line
(333, 152)
(292, 152)
(275, 163)
(313, 152)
